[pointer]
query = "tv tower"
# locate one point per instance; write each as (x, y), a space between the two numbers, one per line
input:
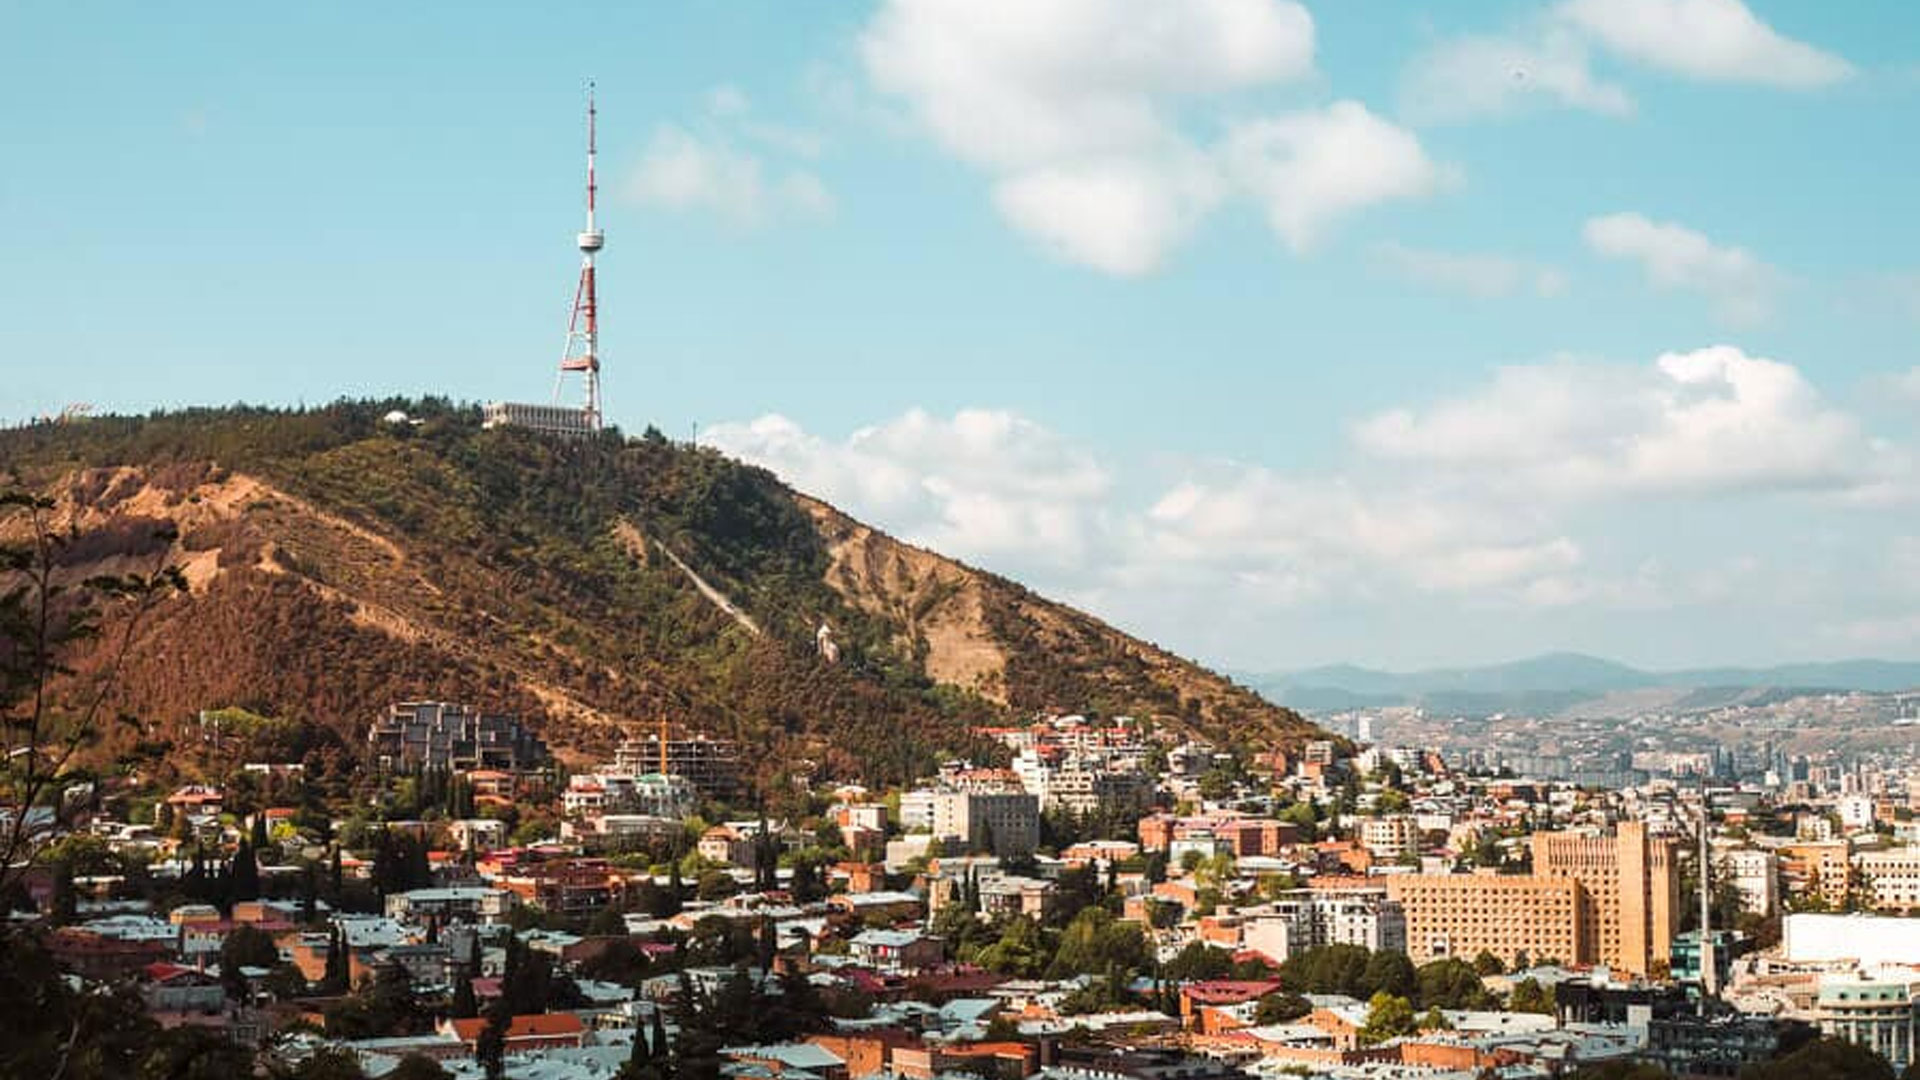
(582, 352)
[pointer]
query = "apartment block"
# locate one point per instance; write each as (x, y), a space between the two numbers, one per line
(1630, 892)
(1308, 918)
(1465, 914)
(1003, 823)
(441, 735)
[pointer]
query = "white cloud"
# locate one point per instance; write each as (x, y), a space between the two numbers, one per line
(1074, 111)
(1906, 385)
(1476, 274)
(681, 170)
(1495, 75)
(982, 484)
(1714, 420)
(1308, 169)
(1552, 487)
(1673, 256)
(1719, 40)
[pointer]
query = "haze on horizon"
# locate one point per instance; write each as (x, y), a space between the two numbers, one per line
(1289, 334)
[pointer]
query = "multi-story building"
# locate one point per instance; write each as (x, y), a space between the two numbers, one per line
(1630, 892)
(1390, 838)
(1756, 874)
(441, 735)
(1877, 1015)
(712, 766)
(1819, 868)
(1004, 823)
(1890, 879)
(1308, 918)
(1509, 916)
(652, 793)
(916, 809)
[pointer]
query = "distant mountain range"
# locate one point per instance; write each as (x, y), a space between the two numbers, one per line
(1555, 681)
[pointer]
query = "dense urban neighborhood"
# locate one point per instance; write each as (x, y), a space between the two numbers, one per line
(1098, 898)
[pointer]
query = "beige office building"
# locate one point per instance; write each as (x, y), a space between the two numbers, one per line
(1463, 915)
(1632, 892)
(1590, 900)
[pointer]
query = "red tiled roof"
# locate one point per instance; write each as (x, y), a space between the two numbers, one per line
(530, 1026)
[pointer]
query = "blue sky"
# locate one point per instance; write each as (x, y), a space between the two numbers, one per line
(1279, 333)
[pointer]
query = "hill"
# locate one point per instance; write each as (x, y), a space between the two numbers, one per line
(338, 562)
(1556, 682)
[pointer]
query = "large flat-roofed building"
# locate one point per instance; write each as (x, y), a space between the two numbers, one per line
(1307, 918)
(442, 735)
(1004, 823)
(1630, 892)
(1464, 915)
(559, 420)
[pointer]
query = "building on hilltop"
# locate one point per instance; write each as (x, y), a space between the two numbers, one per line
(562, 420)
(442, 735)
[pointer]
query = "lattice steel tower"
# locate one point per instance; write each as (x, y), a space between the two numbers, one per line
(582, 353)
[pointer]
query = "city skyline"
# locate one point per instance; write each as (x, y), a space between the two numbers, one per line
(1307, 334)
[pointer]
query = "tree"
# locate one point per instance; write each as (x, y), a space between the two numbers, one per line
(1094, 942)
(191, 1052)
(245, 946)
(243, 880)
(465, 1006)
(1390, 971)
(1825, 1058)
(327, 1063)
(1388, 1016)
(490, 1048)
(1021, 950)
(1531, 997)
(1488, 964)
(1280, 1007)
(46, 618)
(418, 1067)
(1451, 983)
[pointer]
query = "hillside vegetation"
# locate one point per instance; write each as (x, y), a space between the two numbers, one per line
(339, 562)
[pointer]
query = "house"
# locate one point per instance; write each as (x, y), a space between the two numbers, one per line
(897, 951)
(728, 845)
(543, 1031)
(173, 988)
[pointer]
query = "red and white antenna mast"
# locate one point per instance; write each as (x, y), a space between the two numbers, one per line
(582, 352)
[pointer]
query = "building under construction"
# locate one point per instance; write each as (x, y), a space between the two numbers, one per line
(712, 766)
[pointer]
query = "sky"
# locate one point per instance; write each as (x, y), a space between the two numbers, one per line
(1279, 333)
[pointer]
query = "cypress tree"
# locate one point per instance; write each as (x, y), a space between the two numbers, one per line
(243, 882)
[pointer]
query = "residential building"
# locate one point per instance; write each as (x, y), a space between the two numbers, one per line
(1308, 918)
(1004, 823)
(441, 735)
(1756, 874)
(1890, 879)
(1464, 915)
(1390, 838)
